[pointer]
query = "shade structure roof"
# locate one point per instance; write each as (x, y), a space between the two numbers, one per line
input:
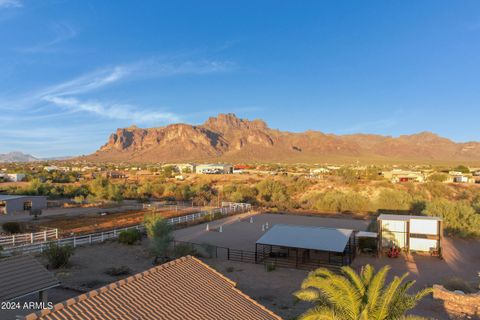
(401, 217)
(185, 288)
(366, 234)
(23, 275)
(314, 238)
(5, 197)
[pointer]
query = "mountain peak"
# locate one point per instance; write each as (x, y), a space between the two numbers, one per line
(16, 156)
(226, 121)
(227, 137)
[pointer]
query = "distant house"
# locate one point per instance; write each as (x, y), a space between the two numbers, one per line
(13, 177)
(214, 168)
(12, 204)
(114, 175)
(459, 177)
(185, 288)
(50, 168)
(399, 176)
(185, 167)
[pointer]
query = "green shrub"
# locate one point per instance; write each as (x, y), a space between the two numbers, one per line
(12, 227)
(269, 267)
(58, 256)
(459, 217)
(209, 249)
(391, 199)
(184, 249)
(129, 236)
(118, 271)
(337, 201)
(230, 269)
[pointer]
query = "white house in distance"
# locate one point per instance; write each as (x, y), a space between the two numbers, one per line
(412, 233)
(214, 168)
(13, 177)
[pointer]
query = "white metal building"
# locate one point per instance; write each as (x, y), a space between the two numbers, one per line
(412, 233)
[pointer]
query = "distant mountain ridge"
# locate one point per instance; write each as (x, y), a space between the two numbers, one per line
(229, 138)
(17, 156)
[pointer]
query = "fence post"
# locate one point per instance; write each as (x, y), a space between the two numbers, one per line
(31, 237)
(56, 233)
(114, 233)
(90, 239)
(13, 240)
(45, 235)
(102, 236)
(228, 253)
(74, 242)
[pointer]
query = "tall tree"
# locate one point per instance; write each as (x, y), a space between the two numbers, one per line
(160, 234)
(352, 296)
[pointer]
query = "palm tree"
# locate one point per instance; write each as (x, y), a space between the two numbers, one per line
(352, 296)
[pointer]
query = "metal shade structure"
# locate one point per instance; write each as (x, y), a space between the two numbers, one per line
(312, 246)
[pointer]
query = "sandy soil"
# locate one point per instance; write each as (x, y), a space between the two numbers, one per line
(88, 264)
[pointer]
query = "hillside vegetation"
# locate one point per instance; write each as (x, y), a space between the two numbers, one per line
(458, 205)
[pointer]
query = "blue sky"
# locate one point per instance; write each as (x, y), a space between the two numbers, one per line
(71, 72)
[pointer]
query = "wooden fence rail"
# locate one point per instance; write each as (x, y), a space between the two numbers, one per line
(28, 238)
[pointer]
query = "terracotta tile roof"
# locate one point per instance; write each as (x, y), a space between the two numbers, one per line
(23, 275)
(185, 288)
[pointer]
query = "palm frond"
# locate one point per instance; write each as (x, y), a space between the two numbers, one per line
(319, 313)
(374, 289)
(355, 279)
(387, 297)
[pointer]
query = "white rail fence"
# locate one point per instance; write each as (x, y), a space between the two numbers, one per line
(99, 237)
(28, 238)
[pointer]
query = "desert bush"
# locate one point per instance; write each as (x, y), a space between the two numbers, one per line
(209, 249)
(476, 204)
(438, 177)
(391, 199)
(118, 271)
(269, 267)
(12, 227)
(129, 236)
(337, 201)
(272, 192)
(240, 193)
(459, 217)
(184, 249)
(58, 256)
(438, 190)
(160, 234)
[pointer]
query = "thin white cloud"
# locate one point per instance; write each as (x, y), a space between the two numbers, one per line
(66, 95)
(114, 111)
(61, 32)
(10, 4)
(88, 82)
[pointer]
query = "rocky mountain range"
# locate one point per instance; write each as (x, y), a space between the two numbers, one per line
(229, 138)
(17, 156)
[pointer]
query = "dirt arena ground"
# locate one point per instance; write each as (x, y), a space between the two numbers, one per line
(239, 233)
